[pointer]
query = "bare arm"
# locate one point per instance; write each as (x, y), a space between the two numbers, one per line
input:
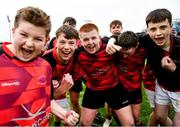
(64, 86)
(69, 117)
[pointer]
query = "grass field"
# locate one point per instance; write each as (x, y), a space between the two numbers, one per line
(145, 110)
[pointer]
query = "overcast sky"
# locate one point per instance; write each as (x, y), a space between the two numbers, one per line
(132, 13)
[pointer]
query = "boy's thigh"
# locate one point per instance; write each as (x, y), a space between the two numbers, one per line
(175, 99)
(93, 99)
(165, 97)
(116, 97)
(87, 116)
(135, 96)
(161, 96)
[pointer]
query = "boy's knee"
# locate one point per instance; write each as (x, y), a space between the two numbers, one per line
(160, 118)
(128, 123)
(86, 122)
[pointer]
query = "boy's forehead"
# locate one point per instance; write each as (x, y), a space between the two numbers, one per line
(28, 27)
(115, 24)
(65, 35)
(68, 23)
(89, 33)
(157, 22)
(164, 22)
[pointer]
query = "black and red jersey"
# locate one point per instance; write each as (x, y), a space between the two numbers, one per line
(149, 78)
(24, 90)
(59, 68)
(168, 80)
(100, 69)
(130, 69)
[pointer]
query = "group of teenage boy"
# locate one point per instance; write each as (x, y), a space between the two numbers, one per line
(112, 69)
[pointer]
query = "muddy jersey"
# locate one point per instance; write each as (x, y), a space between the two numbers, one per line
(24, 90)
(100, 69)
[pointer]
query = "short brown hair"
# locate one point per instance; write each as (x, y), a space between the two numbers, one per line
(69, 31)
(70, 20)
(159, 15)
(115, 22)
(127, 40)
(34, 16)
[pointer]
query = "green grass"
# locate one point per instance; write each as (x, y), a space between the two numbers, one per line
(145, 109)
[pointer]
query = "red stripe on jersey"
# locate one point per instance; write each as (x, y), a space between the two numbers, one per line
(26, 114)
(60, 68)
(77, 71)
(23, 95)
(130, 69)
(7, 50)
(71, 67)
(29, 96)
(16, 82)
(149, 78)
(100, 69)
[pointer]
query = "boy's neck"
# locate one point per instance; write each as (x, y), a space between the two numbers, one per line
(166, 46)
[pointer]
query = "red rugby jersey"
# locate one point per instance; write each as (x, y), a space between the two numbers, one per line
(149, 78)
(100, 69)
(130, 69)
(59, 69)
(24, 90)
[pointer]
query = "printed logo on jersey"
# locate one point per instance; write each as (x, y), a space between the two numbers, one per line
(13, 83)
(39, 120)
(42, 80)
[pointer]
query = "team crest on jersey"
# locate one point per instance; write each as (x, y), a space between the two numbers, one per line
(42, 80)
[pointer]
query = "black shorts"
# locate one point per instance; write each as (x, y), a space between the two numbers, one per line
(77, 87)
(135, 96)
(115, 97)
